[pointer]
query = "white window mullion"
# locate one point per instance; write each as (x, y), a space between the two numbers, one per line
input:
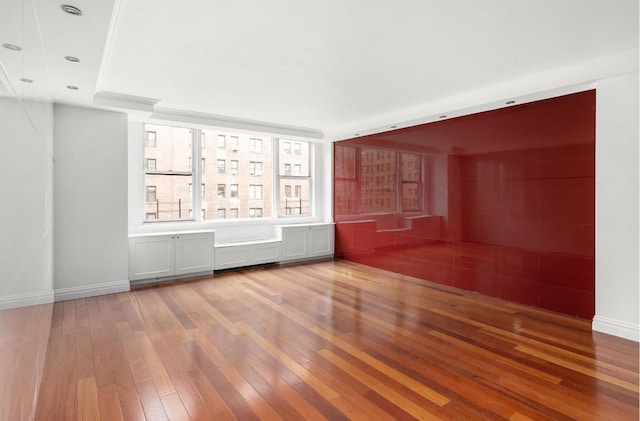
(196, 153)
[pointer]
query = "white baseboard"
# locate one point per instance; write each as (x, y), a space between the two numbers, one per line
(85, 291)
(24, 300)
(616, 327)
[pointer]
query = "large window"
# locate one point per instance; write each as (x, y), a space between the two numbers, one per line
(246, 177)
(300, 178)
(167, 172)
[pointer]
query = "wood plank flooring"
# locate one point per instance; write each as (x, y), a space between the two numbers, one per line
(23, 344)
(332, 340)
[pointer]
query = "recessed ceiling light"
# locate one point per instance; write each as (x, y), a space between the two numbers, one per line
(443, 116)
(25, 80)
(12, 47)
(73, 88)
(510, 102)
(357, 134)
(394, 127)
(72, 59)
(72, 10)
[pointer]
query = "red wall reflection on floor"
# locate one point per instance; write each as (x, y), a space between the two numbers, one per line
(500, 202)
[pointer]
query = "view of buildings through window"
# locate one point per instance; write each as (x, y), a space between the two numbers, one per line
(236, 175)
(379, 187)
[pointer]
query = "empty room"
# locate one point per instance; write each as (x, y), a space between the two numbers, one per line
(335, 210)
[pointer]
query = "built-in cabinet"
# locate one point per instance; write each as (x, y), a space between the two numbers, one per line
(173, 254)
(309, 241)
(166, 255)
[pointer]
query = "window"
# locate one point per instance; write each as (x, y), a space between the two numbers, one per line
(411, 179)
(172, 165)
(255, 168)
(255, 191)
(151, 141)
(346, 182)
(166, 191)
(255, 212)
(294, 170)
(222, 213)
(255, 145)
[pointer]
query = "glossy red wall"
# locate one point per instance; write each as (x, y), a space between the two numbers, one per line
(506, 202)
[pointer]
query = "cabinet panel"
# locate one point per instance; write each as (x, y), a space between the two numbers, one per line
(321, 240)
(294, 243)
(193, 253)
(151, 257)
(267, 253)
(230, 257)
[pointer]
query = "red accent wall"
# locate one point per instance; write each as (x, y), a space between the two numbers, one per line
(500, 202)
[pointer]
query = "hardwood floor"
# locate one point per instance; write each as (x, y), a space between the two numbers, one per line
(23, 345)
(331, 340)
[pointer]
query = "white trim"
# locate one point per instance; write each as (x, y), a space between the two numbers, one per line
(616, 327)
(24, 300)
(84, 291)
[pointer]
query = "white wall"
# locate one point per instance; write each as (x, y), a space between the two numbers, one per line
(90, 220)
(26, 202)
(617, 212)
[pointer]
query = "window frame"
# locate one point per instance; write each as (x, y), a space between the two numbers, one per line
(270, 192)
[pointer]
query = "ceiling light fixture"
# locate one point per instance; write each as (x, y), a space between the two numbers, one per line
(510, 102)
(357, 134)
(12, 47)
(394, 127)
(72, 10)
(25, 80)
(73, 88)
(72, 59)
(443, 116)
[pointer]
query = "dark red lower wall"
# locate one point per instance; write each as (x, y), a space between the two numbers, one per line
(506, 202)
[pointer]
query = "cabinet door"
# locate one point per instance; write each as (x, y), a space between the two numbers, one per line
(321, 240)
(294, 243)
(193, 253)
(151, 257)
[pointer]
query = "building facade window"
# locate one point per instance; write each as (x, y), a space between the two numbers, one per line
(233, 142)
(150, 164)
(255, 145)
(255, 212)
(150, 140)
(221, 191)
(222, 213)
(234, 167)
(222, 164)
(255, 191)
(234, 191)
(233, 213)
(222, 141)
(255, 168)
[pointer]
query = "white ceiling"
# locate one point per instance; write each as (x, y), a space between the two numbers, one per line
(319, 65)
